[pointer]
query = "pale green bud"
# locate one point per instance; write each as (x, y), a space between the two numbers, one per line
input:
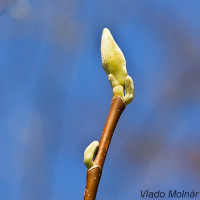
(114, 64)
(89, 154)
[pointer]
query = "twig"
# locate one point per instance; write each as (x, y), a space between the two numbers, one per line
(94, 173)
(114, 64)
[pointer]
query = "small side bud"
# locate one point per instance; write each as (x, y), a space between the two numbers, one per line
(129, 90)
(89, 154)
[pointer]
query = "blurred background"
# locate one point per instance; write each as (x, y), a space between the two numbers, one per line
(55, 97)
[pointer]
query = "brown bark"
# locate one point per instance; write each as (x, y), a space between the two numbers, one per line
(94, 173)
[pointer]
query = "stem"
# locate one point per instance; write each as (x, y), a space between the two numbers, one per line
(94, 173)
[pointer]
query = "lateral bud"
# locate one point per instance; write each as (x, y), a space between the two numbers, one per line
(89, 154)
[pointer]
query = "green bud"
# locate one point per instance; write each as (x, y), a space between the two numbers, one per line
(89, 154)
(114, 64)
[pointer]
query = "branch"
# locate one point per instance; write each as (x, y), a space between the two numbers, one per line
(94, 173)
(114, 64)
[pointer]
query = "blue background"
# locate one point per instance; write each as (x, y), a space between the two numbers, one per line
(55, 97)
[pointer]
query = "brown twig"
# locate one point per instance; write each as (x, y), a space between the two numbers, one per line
(94, 173)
